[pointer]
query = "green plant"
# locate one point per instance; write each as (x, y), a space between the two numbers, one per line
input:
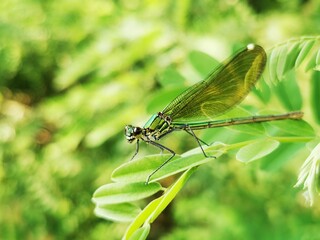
(117, 201)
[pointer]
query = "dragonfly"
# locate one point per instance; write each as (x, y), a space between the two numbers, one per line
(197, 107)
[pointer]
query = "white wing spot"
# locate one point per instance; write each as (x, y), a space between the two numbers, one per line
(250, 46)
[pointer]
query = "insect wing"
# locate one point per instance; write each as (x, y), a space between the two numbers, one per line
(225, 87)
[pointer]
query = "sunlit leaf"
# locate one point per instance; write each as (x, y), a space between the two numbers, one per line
(256, 150)
(122, 212)
(306, 47)
(272, 65)
(170, 194)
(124, 192)
(138, 170)
(281, 61)
(291, 56)
(154, 208)
(141, 233)
(312, 64)
(142, 217)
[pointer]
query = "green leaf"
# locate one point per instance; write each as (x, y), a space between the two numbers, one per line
(288, 55)
(124, 192)
(122, 212)
(290, 127)
(202, 62)
(170, 194)
(262, 90)
(317, 67)
(281, 61)
(315, 95)
(256, 150)
(138, 170)
(312, 64)
(292, 56)
(283, 154)
(171, 77)
(156, 207)
(288, 88)
(157, 102)
(141, 218)
(272, 65)
(141, 233)
(305, 48)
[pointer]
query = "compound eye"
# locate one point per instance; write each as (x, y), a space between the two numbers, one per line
(128, 130)
(137, 130)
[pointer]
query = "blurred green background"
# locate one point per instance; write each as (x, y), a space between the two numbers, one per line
(74, 73)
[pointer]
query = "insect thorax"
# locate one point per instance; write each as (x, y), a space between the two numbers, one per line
(157, 126)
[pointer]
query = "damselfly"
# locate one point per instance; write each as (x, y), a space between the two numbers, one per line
(197, 107)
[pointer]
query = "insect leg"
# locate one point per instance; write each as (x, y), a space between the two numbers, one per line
(165, 162)
(137, 150)
(189, 130)
(193, 135)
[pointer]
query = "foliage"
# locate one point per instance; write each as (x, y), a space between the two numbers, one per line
(74, 73)
(266, 142)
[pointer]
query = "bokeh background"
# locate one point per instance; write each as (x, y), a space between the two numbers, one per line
(74, 73)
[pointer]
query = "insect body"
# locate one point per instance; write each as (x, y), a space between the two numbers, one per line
(196, 108)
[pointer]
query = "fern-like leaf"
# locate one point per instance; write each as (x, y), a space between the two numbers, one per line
(291, 54)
